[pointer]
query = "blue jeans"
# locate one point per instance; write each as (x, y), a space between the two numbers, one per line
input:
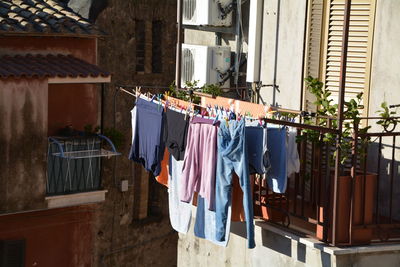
(205, 223)
(232, 156)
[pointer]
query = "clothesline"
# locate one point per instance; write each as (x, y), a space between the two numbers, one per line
(271, 109)
(202, 154)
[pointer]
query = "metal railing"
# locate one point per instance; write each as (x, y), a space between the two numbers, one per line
(368, 195)
(74, 163)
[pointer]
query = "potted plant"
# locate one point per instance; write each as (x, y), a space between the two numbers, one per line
(363, 203)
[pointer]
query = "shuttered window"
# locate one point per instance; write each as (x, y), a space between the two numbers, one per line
(359, 49)
(314, 38)
(313, 45)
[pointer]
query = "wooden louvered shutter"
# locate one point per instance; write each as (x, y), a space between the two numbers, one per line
(313, 45)
(359, 49)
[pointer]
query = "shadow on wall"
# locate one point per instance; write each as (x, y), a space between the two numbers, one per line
(283, 245)
(388, 168)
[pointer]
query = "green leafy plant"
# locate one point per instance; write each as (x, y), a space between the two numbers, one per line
(115, 136)
(88, 129)
(387, 122)
(212, 89)
(326, 109)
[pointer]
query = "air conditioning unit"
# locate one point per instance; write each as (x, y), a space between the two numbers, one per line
(205, 64)
(207, 12)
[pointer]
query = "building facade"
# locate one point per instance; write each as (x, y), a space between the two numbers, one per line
(59, 207)
(301, 39)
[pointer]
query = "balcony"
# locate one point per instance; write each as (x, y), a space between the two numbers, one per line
(74, 169)
(367, 197)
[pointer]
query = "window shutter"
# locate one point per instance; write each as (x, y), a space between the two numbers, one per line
(359, 49)
(12, 253)
(313, 48)
(314, 37)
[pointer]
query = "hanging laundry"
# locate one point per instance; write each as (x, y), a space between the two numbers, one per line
(180, 213)
(238, 214)
(162, 178)
(277, 175)
(232, 156)
(175, 133)
(293, 159)
(256, 140)
(133, 120)
(147, 147)
(199, 163)
(205, 225)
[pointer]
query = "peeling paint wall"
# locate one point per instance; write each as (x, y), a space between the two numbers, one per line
(23, 144)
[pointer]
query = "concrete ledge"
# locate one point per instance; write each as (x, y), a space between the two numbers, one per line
(314, 243)
(76, 199)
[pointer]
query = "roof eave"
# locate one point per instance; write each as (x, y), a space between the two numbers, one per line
(34, 34)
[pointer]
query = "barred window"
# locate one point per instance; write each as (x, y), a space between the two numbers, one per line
(140, 31)
(157, 36)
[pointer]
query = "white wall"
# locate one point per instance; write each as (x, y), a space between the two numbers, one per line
(290, 51)
(385, 86)
(385, 78)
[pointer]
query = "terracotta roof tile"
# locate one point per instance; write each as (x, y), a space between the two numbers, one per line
(47, 66)
(43, 17)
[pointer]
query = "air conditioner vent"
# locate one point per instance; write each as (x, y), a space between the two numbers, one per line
(187, 65)
(189, 9)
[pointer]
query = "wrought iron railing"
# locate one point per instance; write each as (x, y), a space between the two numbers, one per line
(368, 195)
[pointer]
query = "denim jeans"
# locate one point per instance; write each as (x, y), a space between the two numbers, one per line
(205, 223)
(232, 156)
(277, 174)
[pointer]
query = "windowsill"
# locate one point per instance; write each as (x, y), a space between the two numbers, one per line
(76, 199)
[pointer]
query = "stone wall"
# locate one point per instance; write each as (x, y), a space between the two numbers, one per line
(124, 234)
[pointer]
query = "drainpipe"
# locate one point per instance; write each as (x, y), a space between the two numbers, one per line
(342, 87)
(103, 92)
(304, 57)
(178, 45)
(274, 85)
(254, 46)
(238, 40)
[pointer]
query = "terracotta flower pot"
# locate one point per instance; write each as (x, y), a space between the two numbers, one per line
(272, 214)
(359, 235)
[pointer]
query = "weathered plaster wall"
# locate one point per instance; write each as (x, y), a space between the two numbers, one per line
(23, 144)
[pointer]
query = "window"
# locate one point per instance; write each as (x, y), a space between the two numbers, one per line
(12, 253)
(140, 31)
(325, 28)
(157, 35)
(149, 46)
